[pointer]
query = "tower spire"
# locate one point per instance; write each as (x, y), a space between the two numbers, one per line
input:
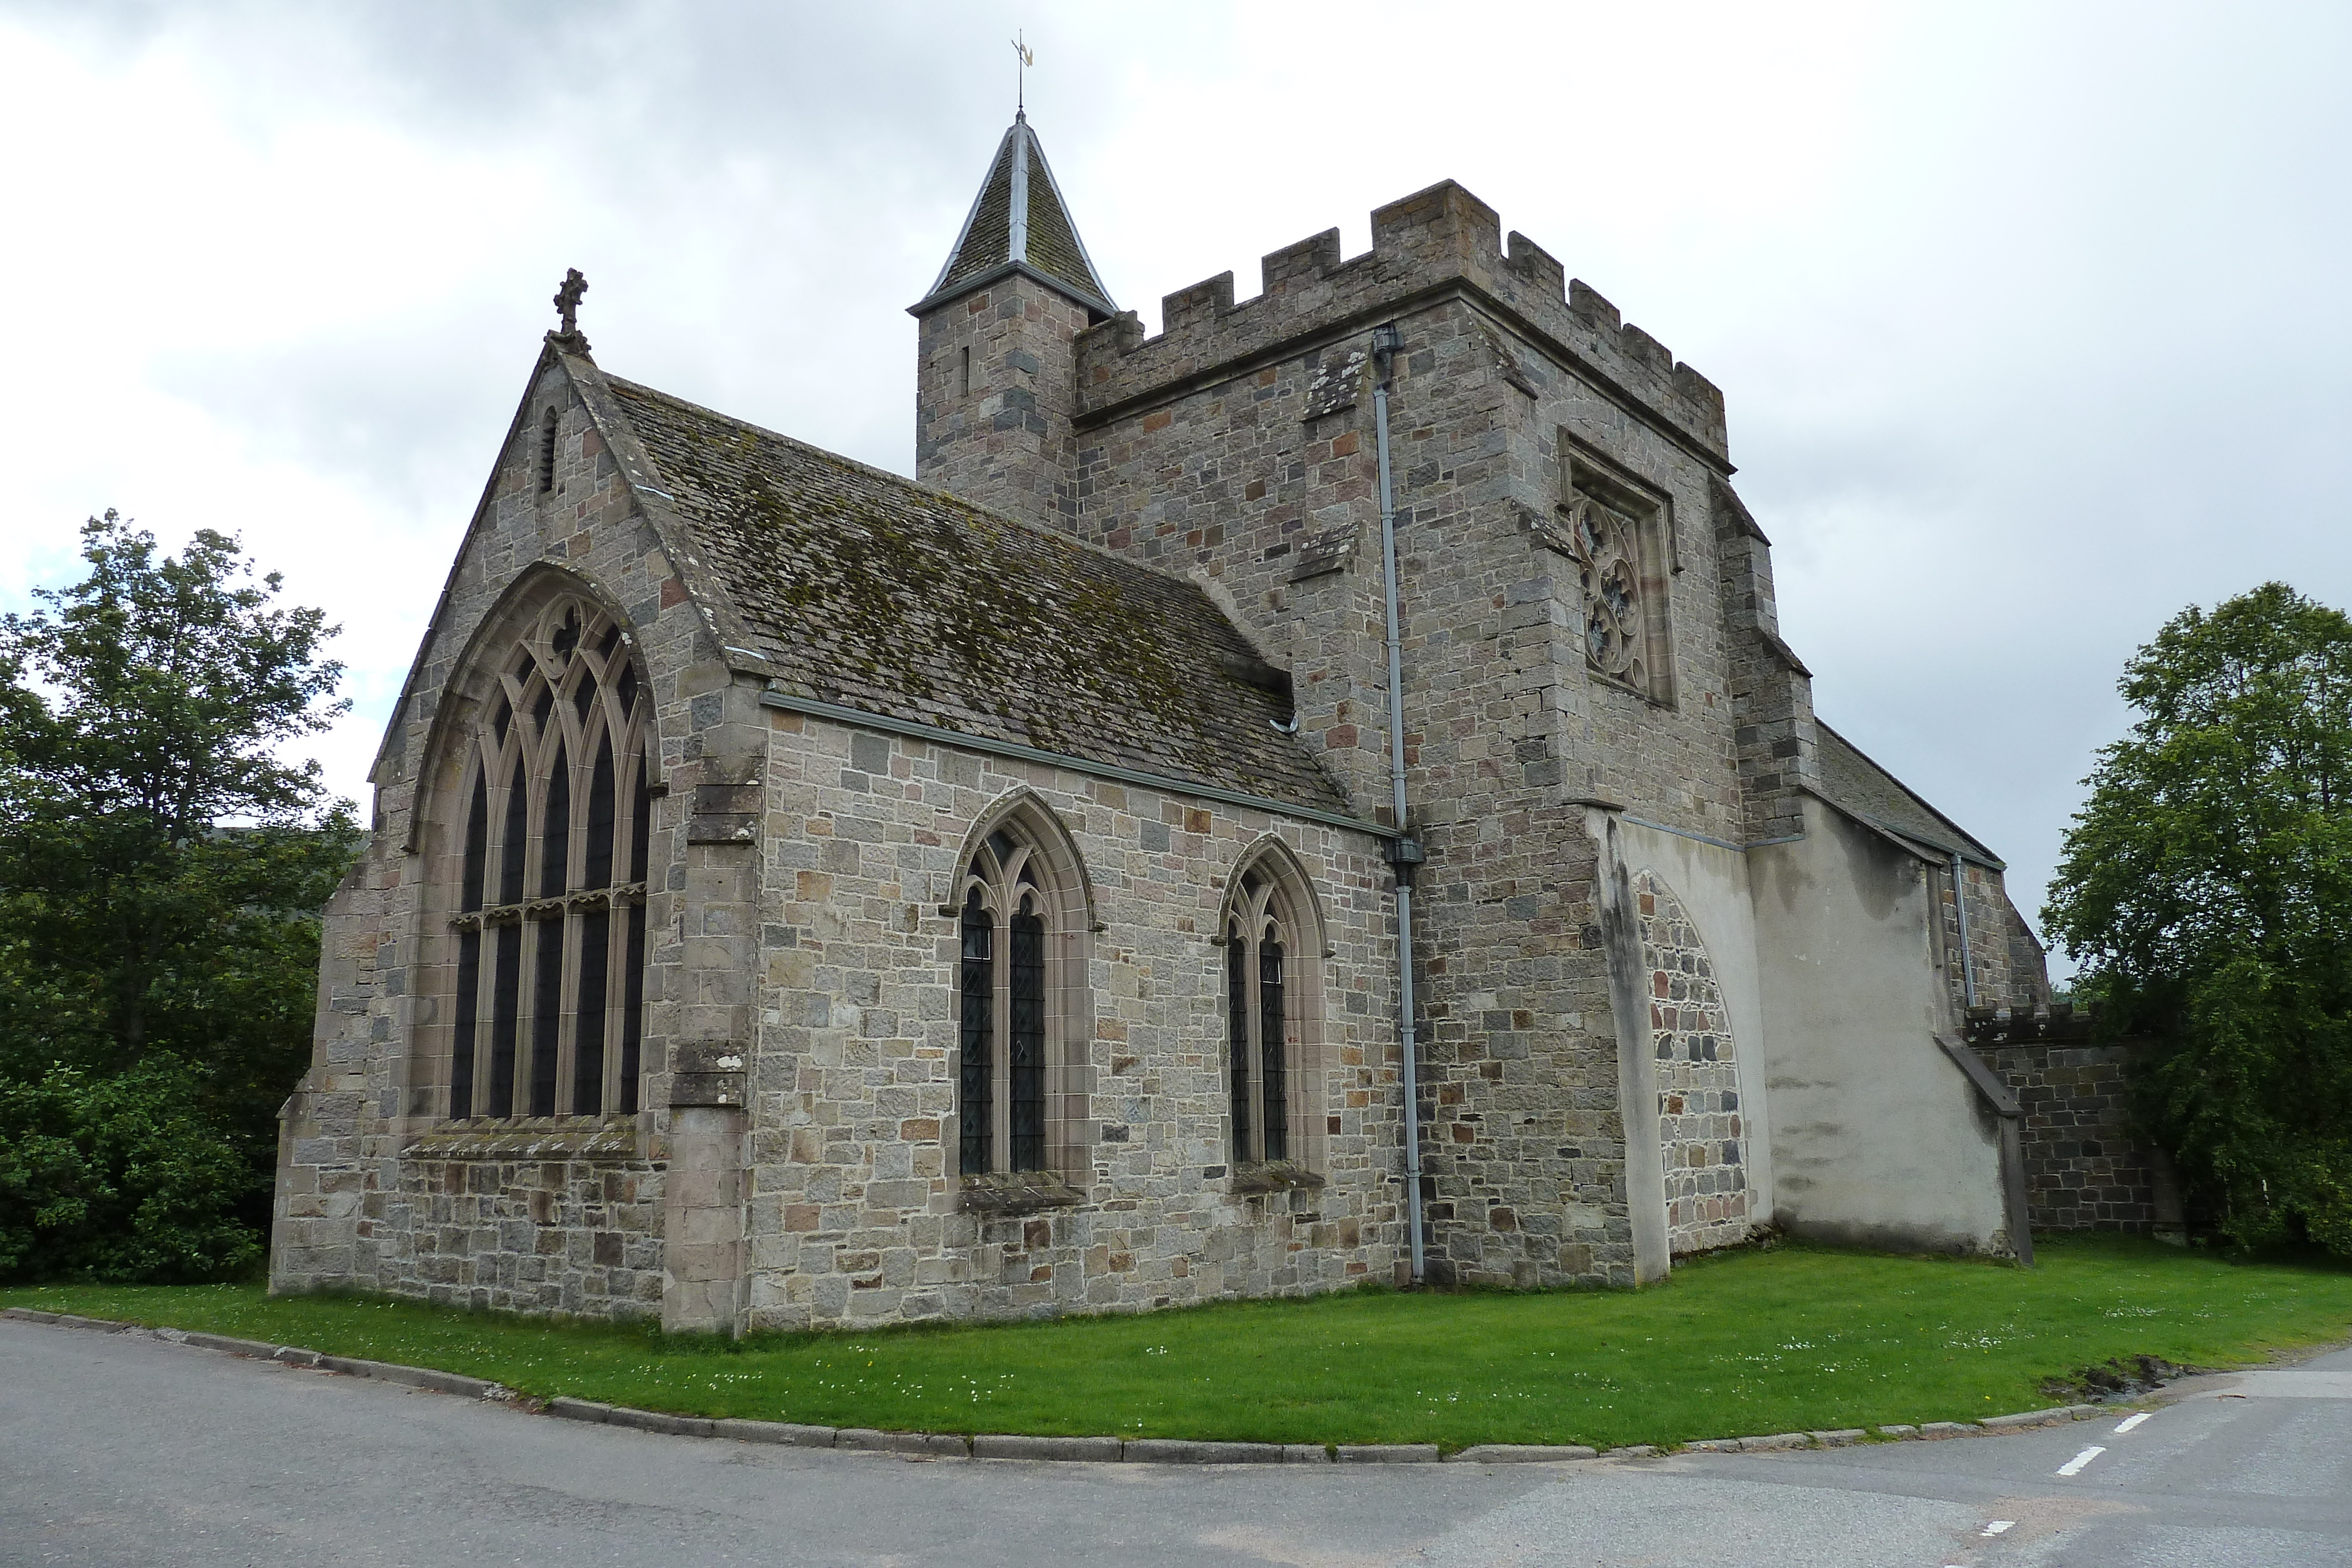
(1018, 222)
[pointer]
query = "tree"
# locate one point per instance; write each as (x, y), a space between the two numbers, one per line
(161, 866)
(2206, 889)
(119, 1179)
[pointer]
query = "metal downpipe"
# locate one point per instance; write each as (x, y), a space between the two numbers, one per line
(1404, 853)
(1960, 903)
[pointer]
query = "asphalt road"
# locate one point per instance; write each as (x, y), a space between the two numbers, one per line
(124, 1449)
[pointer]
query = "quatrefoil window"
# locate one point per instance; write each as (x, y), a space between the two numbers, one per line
(1606, 547)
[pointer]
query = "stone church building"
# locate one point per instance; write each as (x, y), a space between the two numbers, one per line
(801, 895)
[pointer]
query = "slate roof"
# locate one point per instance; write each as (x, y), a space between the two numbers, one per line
(1854, 784)
(869, 590)
(1019, 221)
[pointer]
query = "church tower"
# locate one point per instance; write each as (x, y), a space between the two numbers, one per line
(995, 379)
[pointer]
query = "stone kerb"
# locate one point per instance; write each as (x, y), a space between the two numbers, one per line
(1006, 1445)
(1440, 236)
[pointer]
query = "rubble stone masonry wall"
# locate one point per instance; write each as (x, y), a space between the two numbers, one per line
(1702, 1124)
(2010, 968)
(2083, 1169)
(993, 398)
(1238, 446)
(858, 1212)
(539, 1219)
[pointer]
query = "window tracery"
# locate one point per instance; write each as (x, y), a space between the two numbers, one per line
(1606, 547)
(1268, 1018)
(550, 920)
(1014, 917)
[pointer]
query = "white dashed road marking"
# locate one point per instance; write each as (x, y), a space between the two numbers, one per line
(2073, 1467)
(1997, 1526)
(2131, 1421)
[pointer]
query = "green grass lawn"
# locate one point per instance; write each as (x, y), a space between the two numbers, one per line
(1788, 1340)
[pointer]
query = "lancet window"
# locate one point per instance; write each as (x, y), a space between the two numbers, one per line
(1016, 920)
(550, 918)
(1268, 950)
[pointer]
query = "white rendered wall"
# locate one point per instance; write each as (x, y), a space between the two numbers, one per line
(1878, 1139)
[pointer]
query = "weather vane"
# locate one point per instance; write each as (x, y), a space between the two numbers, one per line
(1021, 73)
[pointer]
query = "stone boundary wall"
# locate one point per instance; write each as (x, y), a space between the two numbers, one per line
(2083, 1169)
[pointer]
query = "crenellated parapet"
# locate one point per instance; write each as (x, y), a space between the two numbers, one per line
(2059, 1023)
(1430, 243)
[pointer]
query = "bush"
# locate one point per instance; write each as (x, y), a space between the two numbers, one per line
(121, 1179)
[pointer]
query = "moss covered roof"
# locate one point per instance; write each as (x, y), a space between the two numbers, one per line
(1036, 232)
(866, 590)
(1855, 784)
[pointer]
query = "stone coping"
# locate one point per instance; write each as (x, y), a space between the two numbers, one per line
(1000, 1194)
(1008, 1446)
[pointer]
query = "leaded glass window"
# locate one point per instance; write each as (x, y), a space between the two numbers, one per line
(1010, 917)
(1026, 973)
(1260, 1031)
(976, 1079)
(1239, 1080)
(549, 989)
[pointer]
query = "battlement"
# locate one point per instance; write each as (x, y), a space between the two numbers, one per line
(1440, 237)
(2060, 1023)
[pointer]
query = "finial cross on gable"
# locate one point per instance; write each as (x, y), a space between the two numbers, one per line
(567, 301)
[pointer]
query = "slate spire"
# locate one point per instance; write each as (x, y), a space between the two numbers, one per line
(1019, 222)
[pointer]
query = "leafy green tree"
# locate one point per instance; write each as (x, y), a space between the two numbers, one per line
(121, 1178)
(2206, 889)
(160, 865)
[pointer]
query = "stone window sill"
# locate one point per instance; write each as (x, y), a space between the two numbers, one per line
(1274, 1176)
(609, 1138)
(1016, 1192)
(618, 896)
(1601, 677)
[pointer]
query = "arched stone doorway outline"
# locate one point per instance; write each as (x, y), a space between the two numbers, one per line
(1702, 1121)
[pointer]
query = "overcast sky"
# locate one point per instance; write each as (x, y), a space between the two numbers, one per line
(2030, 319)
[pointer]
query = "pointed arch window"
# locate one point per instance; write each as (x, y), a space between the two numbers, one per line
(549, 921)
(1272, 1011)
(1017, 1109)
